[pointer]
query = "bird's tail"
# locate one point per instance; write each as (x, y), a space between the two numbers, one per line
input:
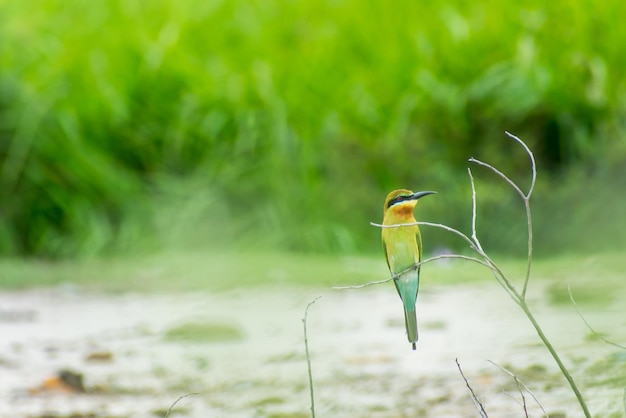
(407, 286)
(410, 321)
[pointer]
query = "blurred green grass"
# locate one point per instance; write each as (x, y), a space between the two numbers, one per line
(596, 275)
(159, 125)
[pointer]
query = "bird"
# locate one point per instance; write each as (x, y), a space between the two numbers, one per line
(403, 250)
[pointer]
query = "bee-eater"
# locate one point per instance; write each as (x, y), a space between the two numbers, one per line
(403, 249)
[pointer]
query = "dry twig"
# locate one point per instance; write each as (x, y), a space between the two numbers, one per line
(521, 386)
(479, 406)
(413, 267)
(308, 357)
(175, 402)
(593, 331)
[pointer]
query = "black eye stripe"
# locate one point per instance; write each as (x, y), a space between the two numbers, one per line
(397, 200)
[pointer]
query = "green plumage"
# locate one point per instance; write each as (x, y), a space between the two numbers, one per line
(407, 286)
(403, 250)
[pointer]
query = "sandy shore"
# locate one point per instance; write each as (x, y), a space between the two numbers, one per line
(362, 364)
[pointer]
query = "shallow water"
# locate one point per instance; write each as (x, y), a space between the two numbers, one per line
(362, 363)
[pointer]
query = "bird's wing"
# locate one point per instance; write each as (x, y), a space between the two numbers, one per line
(418, 238)
(386, 255)
(389, 265)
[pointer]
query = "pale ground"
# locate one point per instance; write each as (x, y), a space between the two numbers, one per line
(362, 364)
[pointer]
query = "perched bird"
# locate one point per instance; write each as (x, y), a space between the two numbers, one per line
(403, 249)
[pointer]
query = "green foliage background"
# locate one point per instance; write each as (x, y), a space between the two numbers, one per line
(133, 125)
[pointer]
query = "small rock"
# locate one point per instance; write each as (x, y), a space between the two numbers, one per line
(65, 381)
(99, 357)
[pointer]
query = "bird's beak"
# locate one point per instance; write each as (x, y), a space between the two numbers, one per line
(418, 195)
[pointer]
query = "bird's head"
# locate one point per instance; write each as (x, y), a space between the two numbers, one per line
(403, 200)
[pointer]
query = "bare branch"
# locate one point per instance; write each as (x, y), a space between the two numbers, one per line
(308, 357)
(593, 331)
(525, 197)
(500, 174)
(413, 267)
(361, 286)
(498, 274)
(522, 404)
(520, 298)
(462, 257)
(447, 228)
(395, 225)
(529, 226)
(175, 402)
(479, 406)
(555, 355)
(474, 235)
(521, 385)
(533, 165)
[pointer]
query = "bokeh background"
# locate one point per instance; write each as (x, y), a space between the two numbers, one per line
(131, 127)
(180, 179)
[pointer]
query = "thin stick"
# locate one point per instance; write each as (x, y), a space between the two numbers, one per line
(546, 342)
(593, 331)
(500, 174)
(523, 405)
(521, 385)
(533, 178)
(413, 267)
(529, 225)
(446, 227)
(533, 165)
(525, 197)
(308, 357)
(361, 286)
(479, 406)
(474, 235)
(498, 274)
(177, 400)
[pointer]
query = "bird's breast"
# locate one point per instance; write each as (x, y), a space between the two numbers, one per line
(401, 248)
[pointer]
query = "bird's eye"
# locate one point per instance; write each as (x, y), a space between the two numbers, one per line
(396, 200)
